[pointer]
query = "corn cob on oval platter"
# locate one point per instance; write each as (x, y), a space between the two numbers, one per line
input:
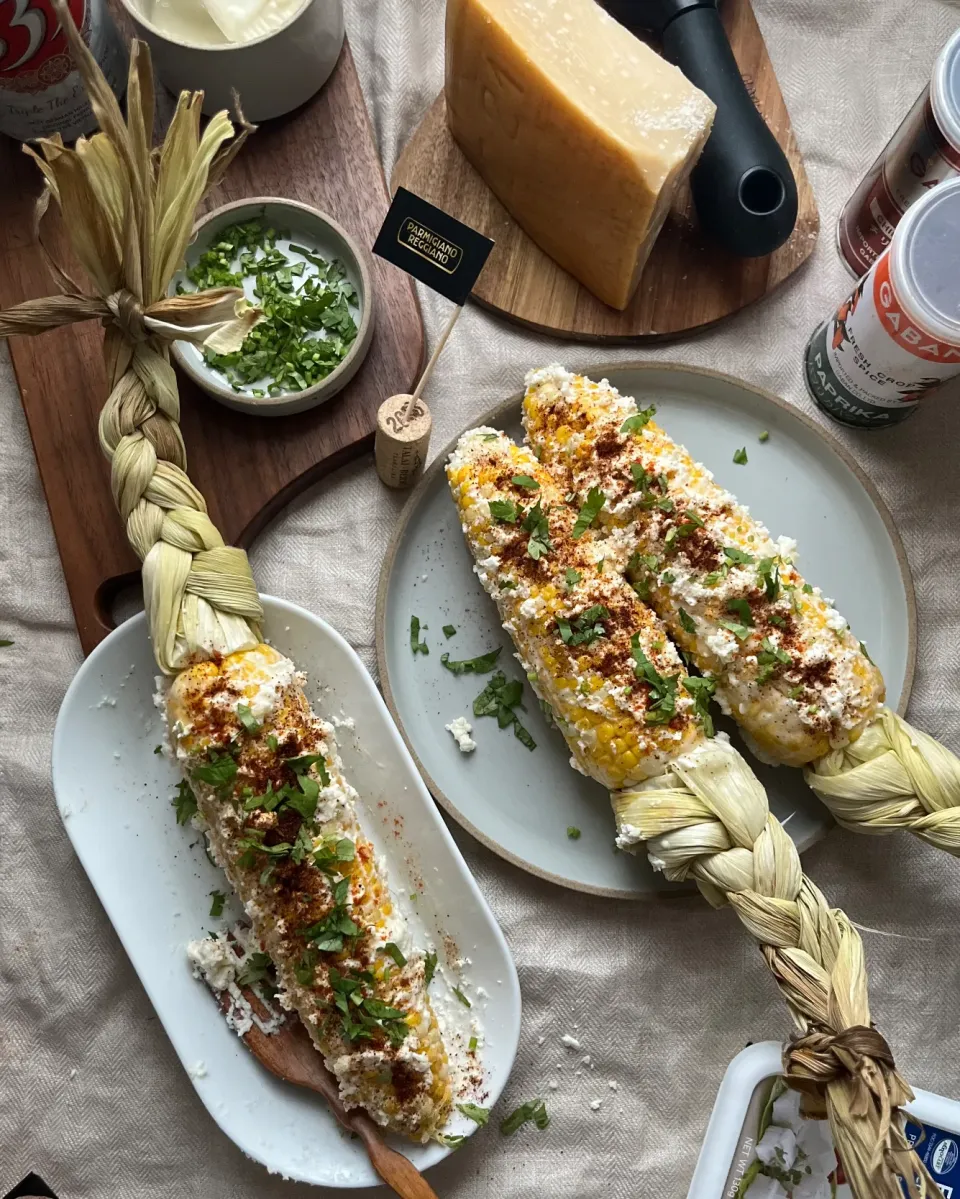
(528, 805)
(155, 882)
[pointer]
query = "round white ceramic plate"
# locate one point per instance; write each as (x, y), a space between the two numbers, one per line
(154, 880)
(519, 803)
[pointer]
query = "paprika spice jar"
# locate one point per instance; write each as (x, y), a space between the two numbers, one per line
(897, 336)
(924, 152)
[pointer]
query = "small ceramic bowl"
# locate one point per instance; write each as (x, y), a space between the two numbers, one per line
(272, 74)
(319, 233)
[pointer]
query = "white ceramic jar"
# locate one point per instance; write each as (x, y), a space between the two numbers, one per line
(272, 74)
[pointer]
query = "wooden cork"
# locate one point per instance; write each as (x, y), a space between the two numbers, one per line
(400, 449)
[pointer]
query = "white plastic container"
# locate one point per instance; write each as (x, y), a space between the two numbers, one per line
(729, 1153)
(272, 74)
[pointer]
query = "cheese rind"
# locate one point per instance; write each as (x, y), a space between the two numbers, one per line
(582, 131)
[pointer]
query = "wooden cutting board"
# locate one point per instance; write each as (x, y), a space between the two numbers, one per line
(688, 282)
(247, 467)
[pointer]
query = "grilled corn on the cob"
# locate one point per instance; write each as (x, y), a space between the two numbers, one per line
(787, 667)
(281, 820)
(599, 658)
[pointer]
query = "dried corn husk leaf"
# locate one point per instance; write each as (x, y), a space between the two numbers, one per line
(706, 818)
(129, 213)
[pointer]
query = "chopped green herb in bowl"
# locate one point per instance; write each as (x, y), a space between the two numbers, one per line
(313, 287)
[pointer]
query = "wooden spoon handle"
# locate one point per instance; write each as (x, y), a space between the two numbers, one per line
(397, 1171)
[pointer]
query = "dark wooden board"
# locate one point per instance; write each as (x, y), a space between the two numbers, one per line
(688, 282)
(247, 467)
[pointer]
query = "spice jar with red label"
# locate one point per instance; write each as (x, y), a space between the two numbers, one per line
(897, 336)
(40, 90)
(924, 152)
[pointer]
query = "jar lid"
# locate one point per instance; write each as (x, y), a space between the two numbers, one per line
(945, 91)
(925, 262)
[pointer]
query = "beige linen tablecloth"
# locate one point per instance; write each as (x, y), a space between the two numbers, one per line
(661, 996)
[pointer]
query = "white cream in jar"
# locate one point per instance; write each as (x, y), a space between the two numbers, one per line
(218, 22)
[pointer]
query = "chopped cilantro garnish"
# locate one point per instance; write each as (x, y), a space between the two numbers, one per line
(796, 692)
(393, 950)
(668, 577)
(769, 572)
(416, 645)
(573, 832)
(739, 631)
(737, 557)
(663, 688)
(362, 1016)
(472, 1044)
(254, 969)
(482, 664)
(479, 1115)
(764, 436)
(687, 623)
(572, 577)
(4, 642)
(863, 650)
(504, 511)
(449, 630)
(741, 607)
(306, 968)
(807, 589)
(461, 997)
(740, 456)
(247, 719)
(158, 749)
(499, 698)
(525, 481)
(702, 689)
(272, 742)
(535, 523)
(218, 771)
(589, 511)
(329, 933)
(769, 658)
(301, 765)
(641, 478)
(489, 436)
(217, 900)
(309, 321)
(585, 628)
(633, 424)
(429, 968)
(451, 1140)
(534, 1110)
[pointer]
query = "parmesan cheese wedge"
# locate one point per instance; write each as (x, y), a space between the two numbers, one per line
(582, 132)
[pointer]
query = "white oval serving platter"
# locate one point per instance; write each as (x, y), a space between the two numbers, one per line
(519, 803)
(154, 880)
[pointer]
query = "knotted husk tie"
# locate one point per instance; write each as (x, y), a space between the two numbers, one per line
(129, 212)
(893, 777)
(707, 818)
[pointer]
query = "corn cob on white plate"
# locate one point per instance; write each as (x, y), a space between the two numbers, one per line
(520, 803)
(154, 880)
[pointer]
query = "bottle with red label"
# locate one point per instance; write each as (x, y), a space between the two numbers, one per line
(924, 152)
(41, 93)
(897, 336)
